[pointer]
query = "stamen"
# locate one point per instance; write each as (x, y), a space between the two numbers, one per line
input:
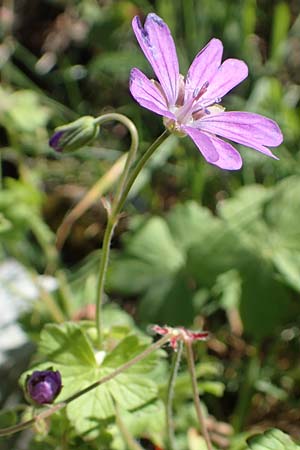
(180, 98)
(199, 92)
(207, 102)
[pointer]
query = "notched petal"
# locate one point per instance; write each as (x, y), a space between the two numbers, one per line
(231, 73)
(204, 67)
(156, 19)
(158, 46)
(137, 26)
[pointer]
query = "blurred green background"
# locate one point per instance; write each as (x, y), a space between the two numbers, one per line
(198, 246)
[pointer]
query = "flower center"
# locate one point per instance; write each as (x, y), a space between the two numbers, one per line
(189, 109)
(194, 108)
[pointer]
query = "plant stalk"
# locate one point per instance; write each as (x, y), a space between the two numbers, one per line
(198, 407)
(113, 217)
(170, 395)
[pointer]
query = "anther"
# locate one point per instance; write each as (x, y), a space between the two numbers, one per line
(199, 92)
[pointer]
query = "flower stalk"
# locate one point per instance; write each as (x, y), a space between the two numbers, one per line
(170, 395)
(126, 181)
(198, 407)
(72, 136)
(112, 215)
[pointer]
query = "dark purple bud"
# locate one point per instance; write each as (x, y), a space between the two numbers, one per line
(54, 141)
(74, 135)
(43, 386)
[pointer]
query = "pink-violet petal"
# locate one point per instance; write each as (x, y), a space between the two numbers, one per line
(204, 67)
(147, 94)
(203, 142)
(229, 157)
(231, 73)
(158, 46)
(252, 130)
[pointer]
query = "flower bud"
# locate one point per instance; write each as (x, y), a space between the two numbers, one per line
(43, 386)
(74, 135)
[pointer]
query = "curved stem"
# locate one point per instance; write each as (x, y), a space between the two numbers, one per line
(112, 218)
(200, 415)
(170, 395)
(133, 147)
(49, 411)
(119, 200)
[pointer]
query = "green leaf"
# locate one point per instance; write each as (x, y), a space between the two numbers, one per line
(5, 224)
(150, 418)
(236, 256)
(272, 439)
(67, 345)
(265, 302)
(287, 263)
(243, 213)
(154, 244)
(169, 301)
(216, 253)
(127, 349)
(129, 391)
(153, 265)
(190, 222)
(282, 213)
(15, 222)
(151, 254)
(22, 111)
(148, 421)
(228, 285)
(131, 276)
(68, 349)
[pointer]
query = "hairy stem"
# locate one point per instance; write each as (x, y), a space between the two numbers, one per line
(139, 166)
(49, 411)
(200, 415)
(112, 216)
(170, 395)
(124, 187)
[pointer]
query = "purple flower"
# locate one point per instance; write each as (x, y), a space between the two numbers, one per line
(191, 105)
(43, 386)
